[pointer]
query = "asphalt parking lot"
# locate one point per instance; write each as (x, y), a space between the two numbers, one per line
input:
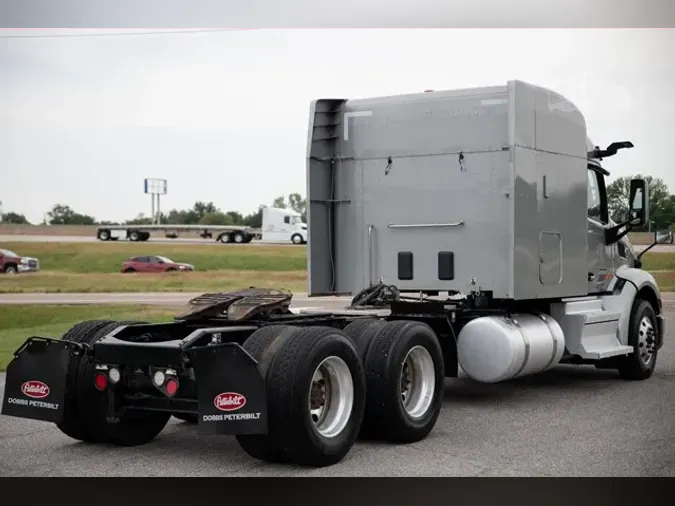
(572, 421)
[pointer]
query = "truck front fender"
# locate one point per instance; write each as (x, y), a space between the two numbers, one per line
(631, 284)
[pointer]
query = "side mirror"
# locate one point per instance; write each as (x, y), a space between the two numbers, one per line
(639, 202)
(663, 237)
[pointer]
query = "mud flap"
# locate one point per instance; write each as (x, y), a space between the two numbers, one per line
(230, 390)
(36, 380)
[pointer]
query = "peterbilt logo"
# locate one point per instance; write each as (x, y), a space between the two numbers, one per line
(35, 389)
(229, 401)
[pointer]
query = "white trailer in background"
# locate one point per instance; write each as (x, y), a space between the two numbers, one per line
(283, 225)
(222, 233)
(278, 226)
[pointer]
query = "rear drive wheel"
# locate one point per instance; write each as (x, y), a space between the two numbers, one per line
(239, 238)
(362, 331)
(643, 328)
(134, 236)
(224, 238)
(70, 424)
(132, 428)
(104, 235)
(315, 395)
(259, 346)
(405, 378)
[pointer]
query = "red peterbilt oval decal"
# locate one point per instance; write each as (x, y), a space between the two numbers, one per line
(229, 401)
(35, 389)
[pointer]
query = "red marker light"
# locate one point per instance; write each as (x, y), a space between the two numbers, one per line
(171, 387)
(101, 381)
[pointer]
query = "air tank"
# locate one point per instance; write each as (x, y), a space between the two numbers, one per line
(491, 349)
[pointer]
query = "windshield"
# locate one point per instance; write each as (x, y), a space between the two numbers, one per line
(166, 260)
(8, 253)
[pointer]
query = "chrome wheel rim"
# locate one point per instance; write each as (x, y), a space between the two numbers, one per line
(418, 382)
(331, 397)
(646, 341)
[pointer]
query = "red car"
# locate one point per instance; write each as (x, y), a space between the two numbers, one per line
(154, 264)
(11, 263)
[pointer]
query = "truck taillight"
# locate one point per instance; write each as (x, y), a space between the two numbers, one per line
(101, 381)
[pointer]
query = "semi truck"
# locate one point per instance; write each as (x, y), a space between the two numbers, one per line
(471, 229)
(283, 225)
(278, 226)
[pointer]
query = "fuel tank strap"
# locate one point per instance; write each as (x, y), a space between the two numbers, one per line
(526, 358)
(544, 318)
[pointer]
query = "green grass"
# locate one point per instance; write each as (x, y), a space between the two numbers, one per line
(18, 323)
(658, 261)
(89, 258)
(94, 267)
(64, 282)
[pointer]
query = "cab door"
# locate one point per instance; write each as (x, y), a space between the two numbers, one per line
(600, 256)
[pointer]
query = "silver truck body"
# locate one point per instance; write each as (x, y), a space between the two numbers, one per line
(494, 191)
(486, 190)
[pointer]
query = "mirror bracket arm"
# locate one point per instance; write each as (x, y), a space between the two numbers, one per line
(614, 234)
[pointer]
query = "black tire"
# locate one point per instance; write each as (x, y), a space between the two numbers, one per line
(133, 428)
(297, 239)
(362, 331)
(11, 269)
(258, 346)
(385, 414)
(71, 425)
(632, 367)
(289, 380)
(225, 238)
(129, 270)
(238, 238)
(134, 236)
(104, 235)
(145, 236)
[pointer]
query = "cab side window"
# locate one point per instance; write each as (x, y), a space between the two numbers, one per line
(597, 197)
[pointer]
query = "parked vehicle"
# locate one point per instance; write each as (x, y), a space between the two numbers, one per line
(11, 263)
(154, 263)
(494, 195)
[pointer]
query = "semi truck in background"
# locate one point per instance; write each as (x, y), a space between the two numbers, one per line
(283, 225)
(495, 196)
(278, 226)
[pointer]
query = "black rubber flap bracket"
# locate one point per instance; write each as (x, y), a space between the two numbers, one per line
(230, 390)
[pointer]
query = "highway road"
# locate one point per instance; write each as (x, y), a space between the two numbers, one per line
(300, 300)
(662, 248)
(571, 421)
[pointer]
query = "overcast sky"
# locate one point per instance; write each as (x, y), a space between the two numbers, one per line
(224, 116)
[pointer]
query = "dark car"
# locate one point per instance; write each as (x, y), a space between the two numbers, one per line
(154, 264)
(11, 263)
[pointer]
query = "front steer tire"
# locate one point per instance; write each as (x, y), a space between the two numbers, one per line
(133, 428)
(386, 416)
(632, 367)
(289, 365)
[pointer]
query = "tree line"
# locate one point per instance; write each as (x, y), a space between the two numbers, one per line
(201, 213)
(662, 210)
